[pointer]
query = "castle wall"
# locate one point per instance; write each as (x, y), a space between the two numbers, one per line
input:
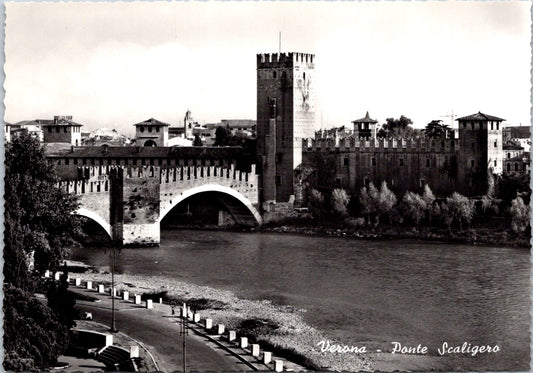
(403, 164)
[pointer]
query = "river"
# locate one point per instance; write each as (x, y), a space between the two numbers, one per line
(364, 293)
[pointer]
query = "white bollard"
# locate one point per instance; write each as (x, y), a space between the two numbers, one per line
(160, 300)
(208, 324)
(255, 350)
(57, 276)
(89, 285)
(134, 351)
(196, 318)
(267, 357)
(278, 365)
(101, 289)
(77, 282)
(113, 292)
(244, 342)
(47, 273)
(137, 299)
(232, 335)
(220, 329)
(149, 304)
(126, 295)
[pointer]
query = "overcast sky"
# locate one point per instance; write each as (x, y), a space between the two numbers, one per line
(116, 64)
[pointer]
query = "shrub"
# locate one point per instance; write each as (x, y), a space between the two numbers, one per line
(339, 201)
(519, 215)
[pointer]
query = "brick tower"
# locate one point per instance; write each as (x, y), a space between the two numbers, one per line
(480, 152)
(285, 115)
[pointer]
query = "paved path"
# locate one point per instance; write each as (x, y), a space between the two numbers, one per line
(159, 332)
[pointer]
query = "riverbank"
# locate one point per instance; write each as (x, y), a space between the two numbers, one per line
(281, 327)
(476, 234)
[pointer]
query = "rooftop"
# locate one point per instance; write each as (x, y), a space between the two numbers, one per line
(152, 122)
(59, 120)
(366, 119)
(481, 117)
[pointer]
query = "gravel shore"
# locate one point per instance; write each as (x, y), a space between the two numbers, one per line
(291, 332)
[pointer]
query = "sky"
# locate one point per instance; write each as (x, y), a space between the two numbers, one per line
(116, 64)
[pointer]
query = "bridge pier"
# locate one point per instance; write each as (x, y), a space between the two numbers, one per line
(141, 234)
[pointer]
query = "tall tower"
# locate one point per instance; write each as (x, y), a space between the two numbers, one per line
(285, 115)
(480, 152)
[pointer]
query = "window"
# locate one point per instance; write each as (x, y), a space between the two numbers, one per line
(93, 161)
(473, 146)
(516, 166)
(274, 75)
(464, 125)
(491, 125)
(57, 129)
(508, 155)
(422, 182)
(373, 161)
(156, 128)
(65, 129)
(278, 157)
(495, 144)
(278, 180)
(346, 161)
(497, 126)
(401, 161)
(508, 167)
(143, 161)
(428, 162)
(149, 129)
(67, 161)
(151, 161)
(442, 144)
(142, 129)
(472, 163)
(367, 181)
(338, 181)
(495, 163)
(75, 161)
(84, 161)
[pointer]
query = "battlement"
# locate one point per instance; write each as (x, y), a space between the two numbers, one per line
(266, 60)
(177, 174)
(85, 186)
(352, 144)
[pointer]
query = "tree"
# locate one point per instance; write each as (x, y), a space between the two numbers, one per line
(38, 224)
(520, 215)
(414, 207)
(460, 208)
(221, 136)
(429, 199)
(197, 141)
(377, 203)
(38, 213)
(316, 203)
(436, 129)
(339, 201)
(397, 128)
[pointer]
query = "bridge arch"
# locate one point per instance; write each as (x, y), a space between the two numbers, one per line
(211, 188)
(97, 218)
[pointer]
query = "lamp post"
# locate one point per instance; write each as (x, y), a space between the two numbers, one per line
(112, 254)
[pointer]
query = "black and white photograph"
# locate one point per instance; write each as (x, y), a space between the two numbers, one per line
(275, 186)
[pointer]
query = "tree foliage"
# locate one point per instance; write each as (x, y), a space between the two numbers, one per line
(38, 224)
(396, 128)
(436, 129)
(414, 207)
(339, 201)
(377, 203)
(519, 215)
(316, 203)
(460, 208)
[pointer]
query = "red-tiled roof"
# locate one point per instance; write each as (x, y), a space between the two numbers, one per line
(481, 117)
(59, 122)
(366, 119)
(151, 122)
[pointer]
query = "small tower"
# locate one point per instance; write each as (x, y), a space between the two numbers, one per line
(480, 152)
(151, 132)
(365, 127)
(61, 129)
(188, 125)
(285, 116)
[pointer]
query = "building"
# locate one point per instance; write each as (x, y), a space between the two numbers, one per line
(62, 129)
(285, 116)
(151, 132)
(516, 159)
(365, 127)
(188, 125)
(243, 125)
(31, 126)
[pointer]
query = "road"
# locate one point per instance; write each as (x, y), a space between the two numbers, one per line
(160, 333)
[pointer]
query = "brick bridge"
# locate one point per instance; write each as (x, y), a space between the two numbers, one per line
(130, 202)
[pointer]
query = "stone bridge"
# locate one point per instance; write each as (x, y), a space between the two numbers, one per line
(130, 202)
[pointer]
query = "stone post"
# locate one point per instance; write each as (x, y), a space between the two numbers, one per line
(208, 324)
(278, 365)
(149, 304)
(126, 295)
(244, 342)
(57, 276)
(267, 357)
(255, 350)
(220, 329)
(101, 289)
(137, 299)
(47, 273)
(89, 285)
(134, 351)
(232, 335)
(77, 282)
(196, 317)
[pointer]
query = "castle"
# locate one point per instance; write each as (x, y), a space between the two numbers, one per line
(285, 128)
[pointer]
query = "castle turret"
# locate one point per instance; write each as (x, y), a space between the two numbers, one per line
(151, 132)
(480, 152)
(285, 116)
(188, 125)
(365, 127)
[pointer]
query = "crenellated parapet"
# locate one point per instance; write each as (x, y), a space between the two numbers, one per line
(269, 60)
(207, 174)
(85, 186)
(355, 145)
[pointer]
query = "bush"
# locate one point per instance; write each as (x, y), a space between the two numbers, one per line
(460, 209)
(519, 215)
(339, 201)
(414, 207)
(316, 203)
